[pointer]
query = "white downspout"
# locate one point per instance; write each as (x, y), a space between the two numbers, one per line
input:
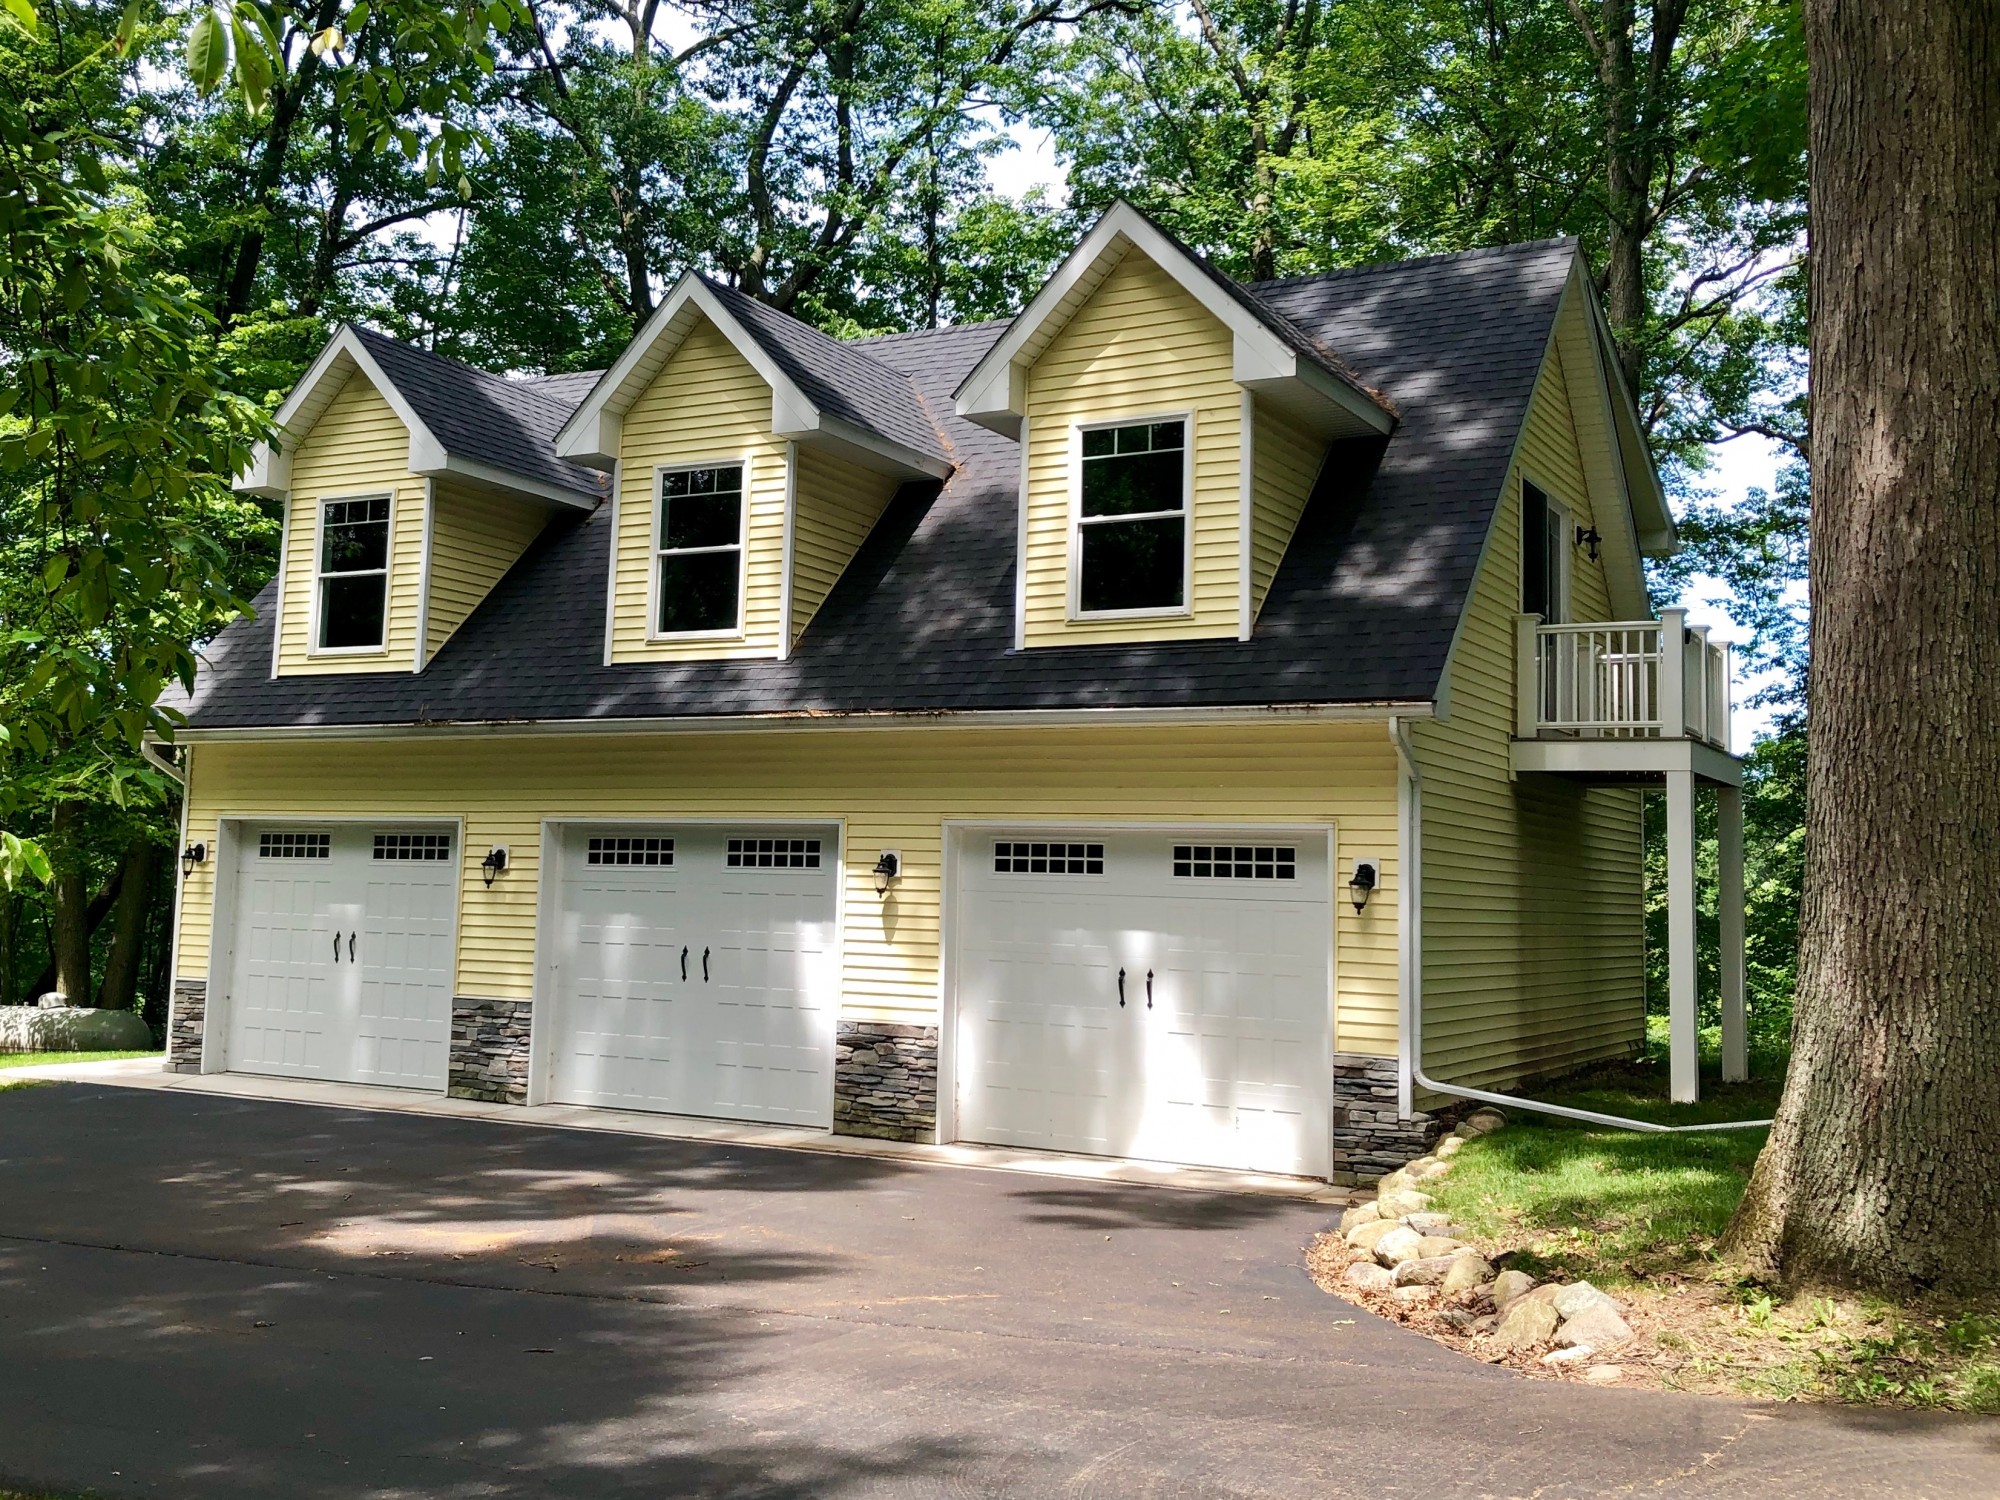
(1410, 986)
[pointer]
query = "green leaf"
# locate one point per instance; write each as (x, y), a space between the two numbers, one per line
(253, 66)
(23, 12)
(128, 26)
(208, 53)
(19, 857)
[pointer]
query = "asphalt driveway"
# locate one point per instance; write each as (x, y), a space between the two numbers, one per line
(204, 1296)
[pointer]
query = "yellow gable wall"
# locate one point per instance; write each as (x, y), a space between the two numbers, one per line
(835, 506)
(1533, 933)
(475, 538)
(1139, 347)
(1284, 464)
(707, 405)
(358, 447)
(894, 788)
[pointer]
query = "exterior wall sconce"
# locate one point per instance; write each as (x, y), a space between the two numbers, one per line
(194, 854)
(1589, 539)
(887, 868)
(1361, 884)
(494, 863)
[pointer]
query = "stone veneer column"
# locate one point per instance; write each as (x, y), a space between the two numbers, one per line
(1370, 1140)
(489, 1050)
(885, 1080)
(186, 1025)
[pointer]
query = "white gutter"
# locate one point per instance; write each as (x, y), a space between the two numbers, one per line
(1410, 989)
(149, 748)
(999, 718)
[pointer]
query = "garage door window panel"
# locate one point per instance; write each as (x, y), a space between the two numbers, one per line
(1132, 522)
(1044, 857)
(352, 574)
(699, 563)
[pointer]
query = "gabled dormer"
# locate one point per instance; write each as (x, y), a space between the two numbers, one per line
(1172, 427)
(751, 455)
(411, 484)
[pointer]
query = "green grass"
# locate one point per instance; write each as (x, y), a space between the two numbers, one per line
(46, 1059)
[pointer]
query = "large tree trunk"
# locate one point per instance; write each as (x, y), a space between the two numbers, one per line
(128, 928)
(1883, 1168)
(93, 915)
(71, 934)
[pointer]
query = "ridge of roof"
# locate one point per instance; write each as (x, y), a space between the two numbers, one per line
(1513, 250)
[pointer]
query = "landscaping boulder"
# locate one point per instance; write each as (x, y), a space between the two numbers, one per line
(1413, 1296)
(1486, 1120)
(1361, 1213)
(1429, 1167)
(1511, 1284)
(1598, 1329)
(1370, 1277)
(1439, 1244)
(1397, 1246)
(1398, 1181)
(1423, 1271)
(1545, 1293)
(1449, 1147)
(1577, 1296)
(1458, 1318)
(1400, 1205)
(1365, 1237)
(1429, 1223)
(1468, 1271)
(71, 1028)
(1560, 1357)
(1525, 1325)
(1604, 1374)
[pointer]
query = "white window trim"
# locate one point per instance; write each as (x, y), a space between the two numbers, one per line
(1183, 610)
(320, 503)
(1564, 518)
(654, 635)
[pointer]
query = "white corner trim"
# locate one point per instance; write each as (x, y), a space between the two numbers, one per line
(1246, 499)
(1021, 547)
(611, 569)
(785, 551)
(418, 658)
(278, 608)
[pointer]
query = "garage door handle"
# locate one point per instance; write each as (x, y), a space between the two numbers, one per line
(336, 947)
(684, 963)
(350, 947)
(704, 966)
(1121, 989)
(1149, 989)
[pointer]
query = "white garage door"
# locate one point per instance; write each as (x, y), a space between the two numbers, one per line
(1149, 994)
(697, 972)
(344, 948)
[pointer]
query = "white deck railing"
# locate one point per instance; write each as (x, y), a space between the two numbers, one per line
(1622, 679)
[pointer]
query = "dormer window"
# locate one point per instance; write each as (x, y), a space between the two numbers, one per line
(699, 564)
(1131, 552)
(351, 589)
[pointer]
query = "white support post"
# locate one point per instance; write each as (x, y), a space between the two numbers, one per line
(1673, 673)
(1683, 1017)
(1527, 678)
(1729, 906)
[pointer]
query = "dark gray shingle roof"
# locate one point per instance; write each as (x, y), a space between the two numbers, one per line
(510, 424)
(1363, 609)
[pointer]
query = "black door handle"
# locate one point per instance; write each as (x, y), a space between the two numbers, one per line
(684, 963)
(350, 947)
(704, 966)
(336, 947)
(1149, 989)
(1121, 989)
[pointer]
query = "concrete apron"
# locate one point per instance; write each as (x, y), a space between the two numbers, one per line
(146, 1073)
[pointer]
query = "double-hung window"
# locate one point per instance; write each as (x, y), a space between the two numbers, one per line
(352, 580)
(1132, 519)
(699, 582)
(1544, 555)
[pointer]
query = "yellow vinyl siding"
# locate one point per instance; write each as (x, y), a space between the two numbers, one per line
(1284, 461)
(1139, 347)
(707, 405)
(894, 789)
(835, 505)
(359, 446)
(1533, 936)
(1550, 457)
(475, 538)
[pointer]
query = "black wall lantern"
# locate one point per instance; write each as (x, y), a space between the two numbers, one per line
(1589, 539)
(494, 863)
(887, 868)
(1361, 884)
(194, 854)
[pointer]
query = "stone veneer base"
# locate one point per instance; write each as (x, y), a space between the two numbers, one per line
(489, 1050)
(885, 1080)
(186, 1025)
(1370, 1139)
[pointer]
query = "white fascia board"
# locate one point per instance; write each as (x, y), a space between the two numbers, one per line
(588, 437)
(998, 718)
(1625, 566)
(456, 466)
(1650, 511)
(995, 393)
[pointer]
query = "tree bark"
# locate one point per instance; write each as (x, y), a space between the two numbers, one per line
(93, 915)
(71, 945)
(1883, 1168)
(128, 928)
